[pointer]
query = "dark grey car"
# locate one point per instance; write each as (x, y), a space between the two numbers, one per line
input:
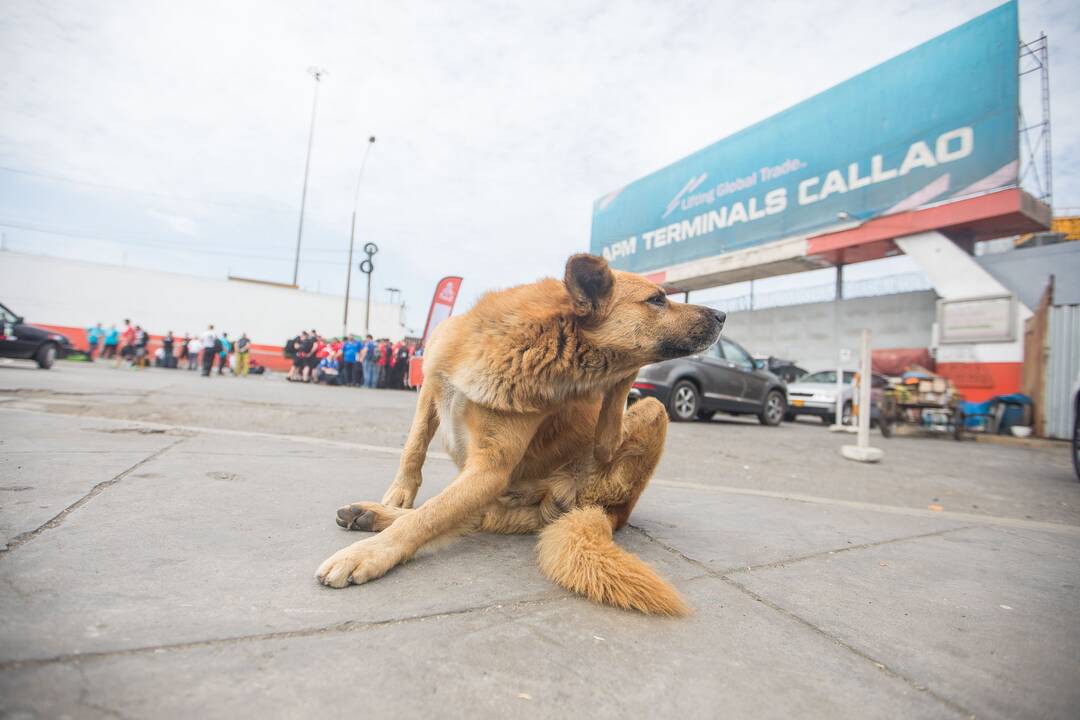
(723, 378)
(29, 342)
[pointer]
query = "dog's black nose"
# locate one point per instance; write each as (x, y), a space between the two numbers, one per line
(720, 316)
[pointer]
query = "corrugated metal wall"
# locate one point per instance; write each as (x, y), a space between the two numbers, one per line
(1062, 368)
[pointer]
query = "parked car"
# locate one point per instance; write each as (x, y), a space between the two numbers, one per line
(786, 370)
(723, 378)
(27, 342)
(1076, 427)
(815, 394)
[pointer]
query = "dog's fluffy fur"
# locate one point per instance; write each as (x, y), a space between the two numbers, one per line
(530, 388)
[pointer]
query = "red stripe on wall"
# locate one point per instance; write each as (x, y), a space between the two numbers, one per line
(270, 356)
(982, 381)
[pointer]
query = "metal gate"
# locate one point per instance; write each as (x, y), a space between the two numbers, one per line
(1062, 369)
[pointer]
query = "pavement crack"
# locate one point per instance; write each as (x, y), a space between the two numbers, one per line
(725, 577)
(58, 520)
(347, 626)
(891, 672)
(84, 697)
(837, 551)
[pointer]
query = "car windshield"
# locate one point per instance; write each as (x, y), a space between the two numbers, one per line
(828, 376)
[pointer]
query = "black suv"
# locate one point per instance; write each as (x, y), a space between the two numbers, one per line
(26, 342)
(723, 378)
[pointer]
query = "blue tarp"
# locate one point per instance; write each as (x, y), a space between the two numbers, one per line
(977, 414)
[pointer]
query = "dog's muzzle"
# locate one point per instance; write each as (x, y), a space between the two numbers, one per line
(705, 333)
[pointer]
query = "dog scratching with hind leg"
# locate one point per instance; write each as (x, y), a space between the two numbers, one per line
(529, 388)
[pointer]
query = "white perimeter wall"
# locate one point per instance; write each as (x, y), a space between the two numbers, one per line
(74, 293)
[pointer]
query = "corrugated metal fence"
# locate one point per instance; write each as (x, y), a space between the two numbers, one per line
(1062, 368)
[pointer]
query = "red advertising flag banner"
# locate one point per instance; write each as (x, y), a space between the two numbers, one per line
(442, 304)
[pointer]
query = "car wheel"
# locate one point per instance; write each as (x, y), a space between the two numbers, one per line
(846, 418)
(772, 412)
(1076, 443)
(684, 401)
(46, 356)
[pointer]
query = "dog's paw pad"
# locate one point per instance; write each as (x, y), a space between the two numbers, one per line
(355, 517)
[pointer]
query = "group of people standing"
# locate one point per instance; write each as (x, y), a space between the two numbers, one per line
(128, 345)
(228, 354)
(131, 345)
(349, 361)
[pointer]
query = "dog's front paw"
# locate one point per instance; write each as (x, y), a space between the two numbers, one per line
(400, 496)
(366, 560)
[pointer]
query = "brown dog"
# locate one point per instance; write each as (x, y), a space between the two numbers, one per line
(530, 387)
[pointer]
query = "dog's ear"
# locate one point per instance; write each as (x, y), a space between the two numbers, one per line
(589, 281)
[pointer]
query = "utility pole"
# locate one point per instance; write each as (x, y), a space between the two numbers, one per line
(317, 73)
(352, 236)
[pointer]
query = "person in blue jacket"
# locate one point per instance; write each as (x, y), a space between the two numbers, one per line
(350, 351)
(94, 336)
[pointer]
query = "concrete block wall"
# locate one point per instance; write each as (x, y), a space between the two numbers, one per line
(812, 334)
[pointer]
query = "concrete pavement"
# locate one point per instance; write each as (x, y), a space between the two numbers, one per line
(163, 530)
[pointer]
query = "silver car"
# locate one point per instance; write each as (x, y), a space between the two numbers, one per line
(815, 394)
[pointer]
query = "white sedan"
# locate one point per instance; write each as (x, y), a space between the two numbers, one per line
(815, 394)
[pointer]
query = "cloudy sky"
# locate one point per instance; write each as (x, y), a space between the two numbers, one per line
(172, 135)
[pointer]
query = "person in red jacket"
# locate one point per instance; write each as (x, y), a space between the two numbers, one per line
(382, 362)
(127, 343)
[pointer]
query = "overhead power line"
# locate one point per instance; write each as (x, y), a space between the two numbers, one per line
(149, 243)
(135, 191)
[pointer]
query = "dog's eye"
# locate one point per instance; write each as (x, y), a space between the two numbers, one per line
(659, 300)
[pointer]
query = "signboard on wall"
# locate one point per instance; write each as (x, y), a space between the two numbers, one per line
(978, 320)
(934, 124)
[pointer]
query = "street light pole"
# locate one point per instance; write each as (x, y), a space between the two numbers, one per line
(352, 236)
(317, 73)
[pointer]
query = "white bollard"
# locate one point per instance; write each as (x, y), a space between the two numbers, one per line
(838, 421)
(861, 451)
(839, 418)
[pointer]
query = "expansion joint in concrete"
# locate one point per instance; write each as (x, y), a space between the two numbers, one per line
(348, 626)
(725, 577)
(58, 519)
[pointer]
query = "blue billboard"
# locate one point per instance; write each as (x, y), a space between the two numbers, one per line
(934, 124)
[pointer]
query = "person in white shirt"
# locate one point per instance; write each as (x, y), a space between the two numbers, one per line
(208, 340)
(194, 347)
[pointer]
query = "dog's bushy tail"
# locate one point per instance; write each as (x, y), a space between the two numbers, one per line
(577, 551)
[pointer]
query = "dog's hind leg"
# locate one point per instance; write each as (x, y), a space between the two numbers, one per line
(578, 552)
(402, 492)
(617, 485)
